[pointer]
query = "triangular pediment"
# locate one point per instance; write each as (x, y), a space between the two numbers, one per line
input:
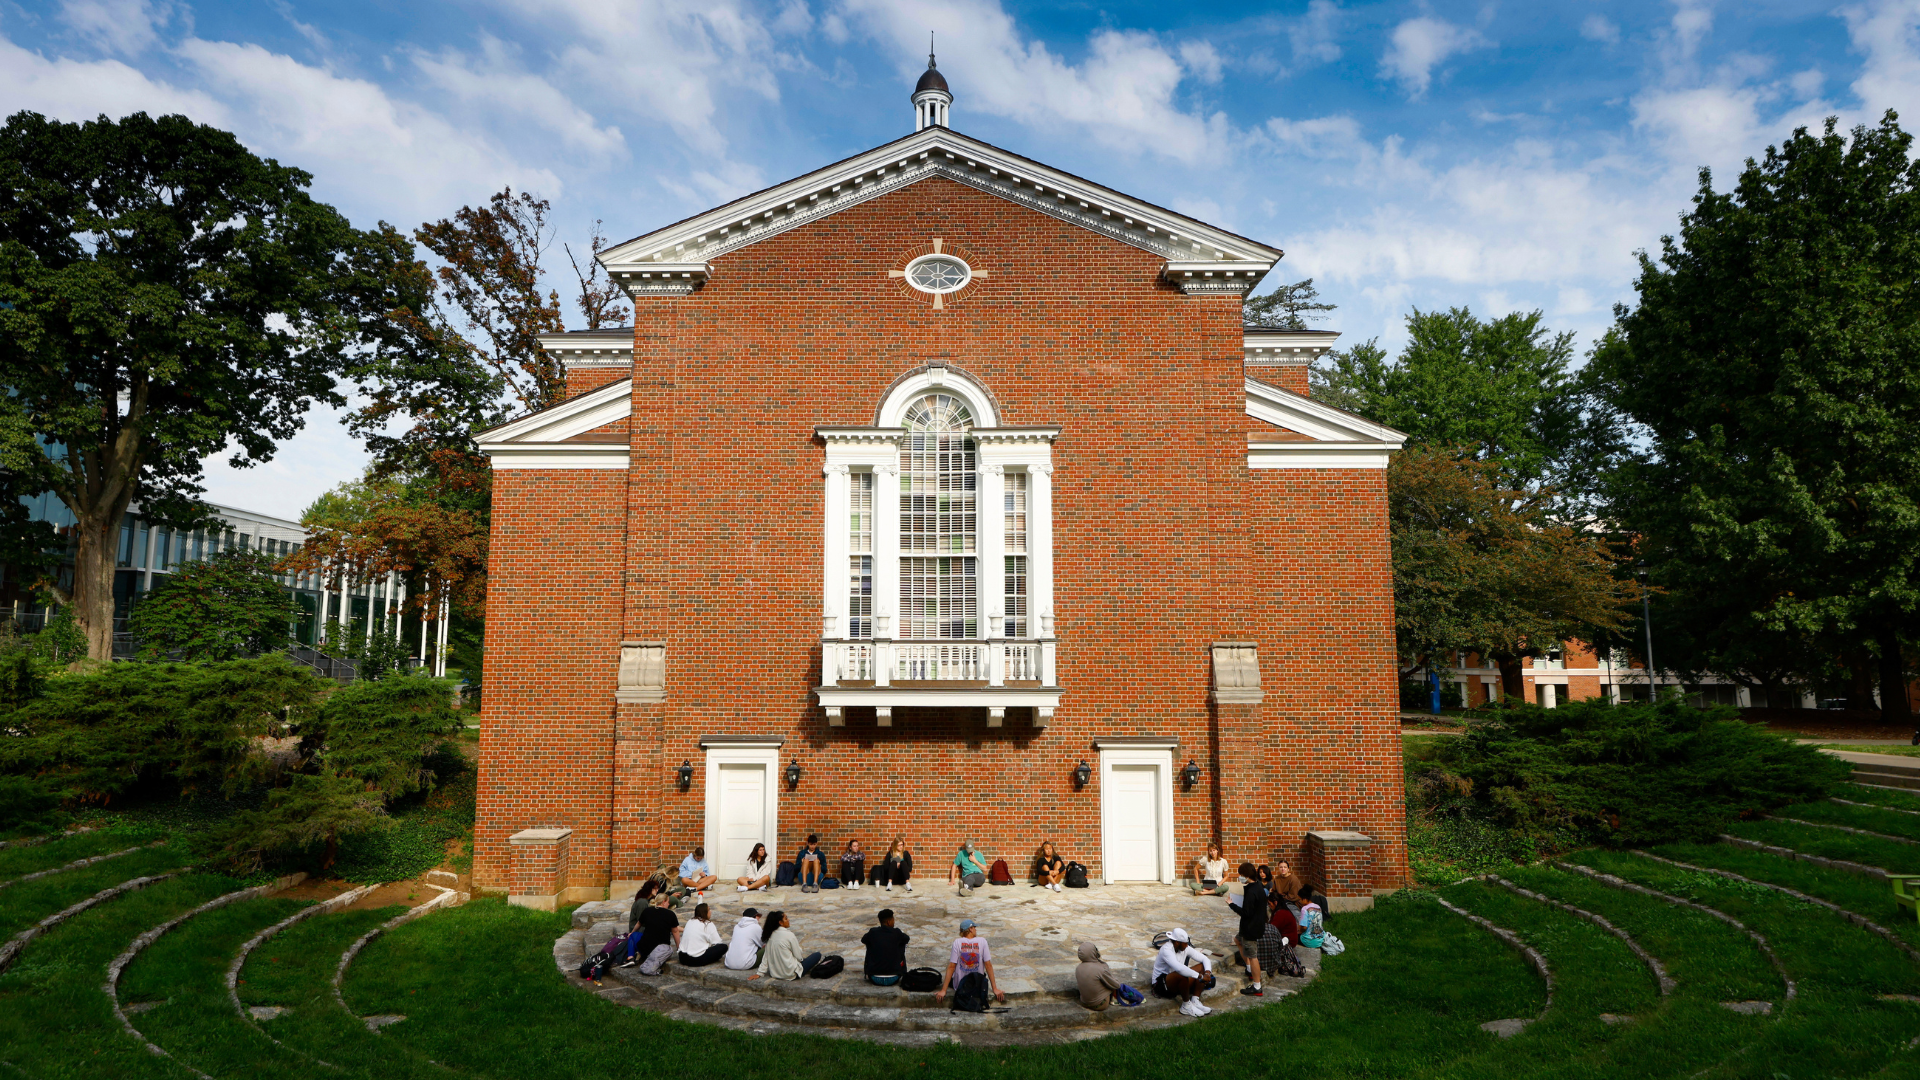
(681, 251)
(564, 436)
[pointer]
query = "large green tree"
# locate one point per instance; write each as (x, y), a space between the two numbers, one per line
(1773, 362)
(216, 609)
(166, 294)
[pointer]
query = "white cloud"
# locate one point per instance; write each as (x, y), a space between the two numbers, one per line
(410, 162)
(1326, 136)
(1600, 28)
(127, 27)
(495, 82)
(1420, 44)
(1888, 35)
(1200, 58)
(1122, 95)
(1314, 33)
(78, 90)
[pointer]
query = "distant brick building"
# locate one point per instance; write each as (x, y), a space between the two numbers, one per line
(935, 474)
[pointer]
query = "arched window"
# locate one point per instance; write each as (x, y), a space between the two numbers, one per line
(939, 487)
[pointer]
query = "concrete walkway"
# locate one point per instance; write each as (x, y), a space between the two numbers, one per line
(1033, 932)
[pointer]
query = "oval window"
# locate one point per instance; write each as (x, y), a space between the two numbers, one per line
(938, 274)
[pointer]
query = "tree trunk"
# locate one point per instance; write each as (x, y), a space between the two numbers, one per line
(1513, 686)
(93, 565)
(1893, 679)
(1860, 677)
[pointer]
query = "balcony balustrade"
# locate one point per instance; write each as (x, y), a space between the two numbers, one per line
(995, 674)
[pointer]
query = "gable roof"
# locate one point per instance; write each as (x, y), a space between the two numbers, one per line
(1336, 438)
(668, 259)
(557, 437)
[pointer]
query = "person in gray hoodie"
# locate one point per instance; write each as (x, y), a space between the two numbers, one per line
(1097, 980)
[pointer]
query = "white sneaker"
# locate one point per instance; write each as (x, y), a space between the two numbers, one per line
(964, 891)
(1191, 1007)
(889, 886)
(854, 884)
(1204, 1007)
(740, 888)
(909, 886)
(1056, 886)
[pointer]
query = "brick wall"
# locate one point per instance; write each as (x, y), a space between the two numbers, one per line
(1163, 544)
(580, 380)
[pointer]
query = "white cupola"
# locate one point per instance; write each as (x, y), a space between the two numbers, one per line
(931, 98)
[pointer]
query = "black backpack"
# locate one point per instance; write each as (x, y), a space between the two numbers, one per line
(828, 967)
(597, 964)
(1076, 876)
(920, 981)
(783, 876)
(971, 994)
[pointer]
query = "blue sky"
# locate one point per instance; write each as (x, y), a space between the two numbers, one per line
(1403, 153)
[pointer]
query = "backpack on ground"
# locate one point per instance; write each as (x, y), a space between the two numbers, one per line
(829, 882)
(1076, 876)
(1162, 938)
(1000, 875)
(828, 967)
(920, 981)
(1331, 946)
(596, 965)
(783, 876)
(1128, 996)
(971, 994)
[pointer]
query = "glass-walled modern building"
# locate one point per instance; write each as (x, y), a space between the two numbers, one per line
(148, 554)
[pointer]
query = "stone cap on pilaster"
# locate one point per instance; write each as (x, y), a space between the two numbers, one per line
(539, 836)
(1340, 838)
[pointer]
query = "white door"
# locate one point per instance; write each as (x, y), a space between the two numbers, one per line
(742, 816)
(1133, 823)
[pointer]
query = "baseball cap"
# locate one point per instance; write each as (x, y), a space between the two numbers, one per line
(751, 913)
(967, 924)
(1179, 935)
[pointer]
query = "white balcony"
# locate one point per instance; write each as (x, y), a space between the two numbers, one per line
(995, 674)
(1541, 663)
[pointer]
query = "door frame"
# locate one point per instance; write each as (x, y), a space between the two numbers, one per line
(766, 755)
(1159, 754)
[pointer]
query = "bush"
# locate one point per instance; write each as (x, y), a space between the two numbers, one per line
(1621, 775)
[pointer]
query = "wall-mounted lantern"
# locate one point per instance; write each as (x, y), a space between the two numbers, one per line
(686, 775)
(1082, 774)
(1191, 774)
(793, 773)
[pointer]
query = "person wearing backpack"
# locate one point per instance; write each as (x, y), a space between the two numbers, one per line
(1096, 980)
(1253, 927)
(743, 951)
(896, 868)
(700, 942)
(970, 955)
(886, 951)
(759, 874)
(782, 959)
(1182, 971)
(968, 869)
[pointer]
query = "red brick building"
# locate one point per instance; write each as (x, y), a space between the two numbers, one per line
(933, 475)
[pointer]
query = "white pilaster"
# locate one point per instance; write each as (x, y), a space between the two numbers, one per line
(992, 520)
(1040, 548)
(834, 576)
(886, 548)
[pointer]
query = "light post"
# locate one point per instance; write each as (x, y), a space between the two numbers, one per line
(1646, 625)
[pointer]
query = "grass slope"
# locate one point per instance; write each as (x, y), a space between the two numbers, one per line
(27, 903)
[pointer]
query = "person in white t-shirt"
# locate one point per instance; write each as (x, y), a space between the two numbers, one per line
(1182, 971)
(743, 952)
(759, 873)
(700, 942)
(1209, 874)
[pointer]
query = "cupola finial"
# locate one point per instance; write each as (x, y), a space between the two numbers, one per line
(931, 98)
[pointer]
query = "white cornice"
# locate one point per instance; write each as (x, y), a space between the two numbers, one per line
(973, 697)
(1319, 455)
(590, 350)
(1297, 412)
(556, 455)
(1286, 348)
(540, 441)
(1213, 277)
(935, 151)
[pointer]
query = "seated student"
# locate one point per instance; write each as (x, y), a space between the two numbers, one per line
(1312, 920)
(759, 873)
(853, 865)
(1049, 869)
(809, 862)
(650, 888)
(700, 942)
(781, 958)
(896, 867)
(1096, 980)
(1287, 885)
(970, 953)
(695, 874)
(1275, 947)
(969, 868)
(1253, 927)
(653, 944)
(886, 951)
(1209, 874)
(1182, 971)
(743, 951)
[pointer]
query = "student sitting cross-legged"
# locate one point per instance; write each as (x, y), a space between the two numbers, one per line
(700, 942)
(1209, 874)
(743, 952)
(695, 874)
(886, 951)
(759, 874)
(782, 959)
(853, 865)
